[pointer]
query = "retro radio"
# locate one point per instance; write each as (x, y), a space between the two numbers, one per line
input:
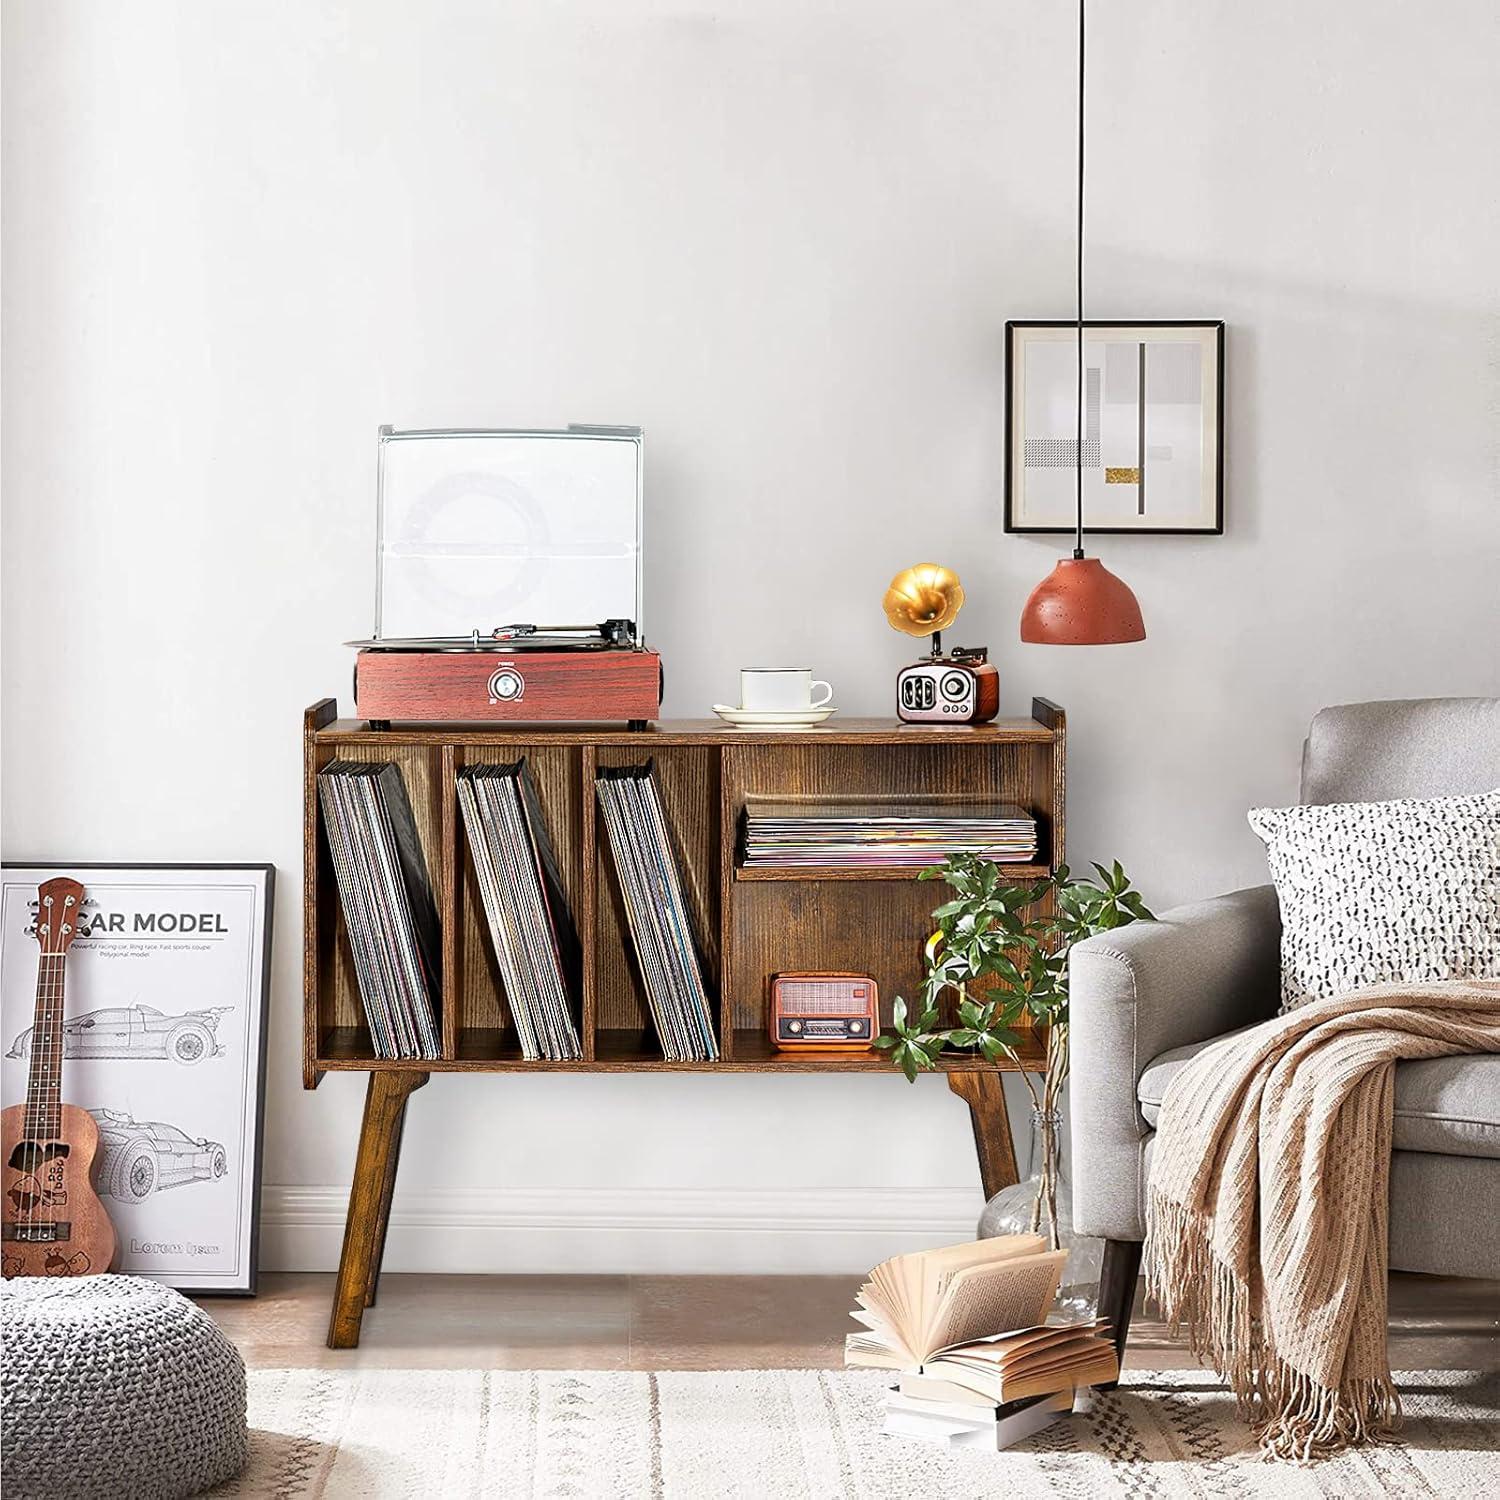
(827, 1012)
(482, 527)
(960, 686)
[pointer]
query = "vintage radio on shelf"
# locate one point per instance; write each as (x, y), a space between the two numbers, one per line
(824, 1012)
(961, 686)
(486, 535)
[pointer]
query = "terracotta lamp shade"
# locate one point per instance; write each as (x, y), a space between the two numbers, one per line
(1081, 603)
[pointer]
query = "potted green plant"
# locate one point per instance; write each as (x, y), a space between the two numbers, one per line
(1000, 950)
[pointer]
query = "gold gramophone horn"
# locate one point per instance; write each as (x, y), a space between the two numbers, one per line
(923, 600)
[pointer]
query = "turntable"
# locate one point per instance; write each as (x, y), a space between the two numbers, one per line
(519, 526)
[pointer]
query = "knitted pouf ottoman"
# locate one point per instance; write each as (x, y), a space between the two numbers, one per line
(114, 1386)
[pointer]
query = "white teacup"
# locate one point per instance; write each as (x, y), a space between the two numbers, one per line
(780, 690)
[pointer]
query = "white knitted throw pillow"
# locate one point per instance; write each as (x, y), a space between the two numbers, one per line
(1384, 891)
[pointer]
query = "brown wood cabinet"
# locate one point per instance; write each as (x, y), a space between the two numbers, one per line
(751, 923)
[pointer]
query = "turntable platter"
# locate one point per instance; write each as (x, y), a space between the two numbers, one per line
(486, 643)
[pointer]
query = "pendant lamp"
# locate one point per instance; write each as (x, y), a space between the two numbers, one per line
(1080, 602)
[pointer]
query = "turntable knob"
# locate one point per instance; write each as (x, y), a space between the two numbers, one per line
(506, 685)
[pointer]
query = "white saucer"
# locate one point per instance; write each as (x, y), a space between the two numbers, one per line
(746, 718)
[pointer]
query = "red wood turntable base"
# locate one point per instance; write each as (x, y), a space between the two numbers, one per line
(518, 687)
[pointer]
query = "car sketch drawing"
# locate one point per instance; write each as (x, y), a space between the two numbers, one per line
(123, 1031)
(141, 1157)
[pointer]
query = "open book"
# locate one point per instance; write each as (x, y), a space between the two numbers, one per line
(1029, 1362)
(916, 1306)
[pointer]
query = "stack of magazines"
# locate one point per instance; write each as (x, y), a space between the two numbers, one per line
(387, 903)
(967, 1327)
(656, 910)
(535, 942)
(855, 835)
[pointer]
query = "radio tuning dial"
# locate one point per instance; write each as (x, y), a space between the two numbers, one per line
(955, 685)
(794, 1026)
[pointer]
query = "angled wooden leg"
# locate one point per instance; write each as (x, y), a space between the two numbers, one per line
(985, 1095)
(388, 1187)
(1117, 1277)
(369, 1200)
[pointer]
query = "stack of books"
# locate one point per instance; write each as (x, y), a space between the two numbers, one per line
(980, 1366)
(656, 911)
(535, 942)
(387, 903)
(856, 835)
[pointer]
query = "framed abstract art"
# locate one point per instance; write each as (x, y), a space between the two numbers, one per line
(1153, 417)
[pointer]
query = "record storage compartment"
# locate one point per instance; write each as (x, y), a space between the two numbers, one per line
(750, 923)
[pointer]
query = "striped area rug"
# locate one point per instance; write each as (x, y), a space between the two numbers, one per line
(806, 1435)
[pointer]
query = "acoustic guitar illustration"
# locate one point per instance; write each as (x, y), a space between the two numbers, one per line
(52, 1222)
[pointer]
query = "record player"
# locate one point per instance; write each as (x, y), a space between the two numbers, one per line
(485, 535)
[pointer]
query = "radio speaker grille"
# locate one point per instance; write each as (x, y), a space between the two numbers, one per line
(823, 997)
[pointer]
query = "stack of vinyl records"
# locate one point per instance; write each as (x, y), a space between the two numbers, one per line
(535, 942)
(855, 835)
(657, 913)
(387, 902)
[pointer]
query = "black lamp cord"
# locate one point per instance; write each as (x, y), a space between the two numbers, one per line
(1078, 454)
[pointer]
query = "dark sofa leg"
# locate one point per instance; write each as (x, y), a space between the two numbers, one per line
(1117, 1278)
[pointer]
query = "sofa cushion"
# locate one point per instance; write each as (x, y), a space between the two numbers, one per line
(1413, 747)
(1428, 1233)
(1449, 1106)
(1372, 892)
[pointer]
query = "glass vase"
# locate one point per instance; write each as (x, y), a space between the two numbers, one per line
(1042, 1203)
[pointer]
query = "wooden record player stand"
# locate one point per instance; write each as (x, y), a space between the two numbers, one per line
(751, 922)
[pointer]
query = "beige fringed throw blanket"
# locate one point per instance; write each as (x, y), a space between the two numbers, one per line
(1267, 1207)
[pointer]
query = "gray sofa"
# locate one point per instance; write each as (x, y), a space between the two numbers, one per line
(1148, 997)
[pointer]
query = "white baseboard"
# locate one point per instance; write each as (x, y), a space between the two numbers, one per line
(624, 1230)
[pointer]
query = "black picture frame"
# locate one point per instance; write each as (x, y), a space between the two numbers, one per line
(257, 1144)
(1215, 324)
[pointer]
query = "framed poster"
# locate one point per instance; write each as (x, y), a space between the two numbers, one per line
(164, 1042)
(1153, 418)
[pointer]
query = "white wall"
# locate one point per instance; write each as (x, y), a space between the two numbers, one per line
(783, 235)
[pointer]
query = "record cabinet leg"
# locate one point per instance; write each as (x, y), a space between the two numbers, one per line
(984, 1093)
(369, 1201)
(388, 1187)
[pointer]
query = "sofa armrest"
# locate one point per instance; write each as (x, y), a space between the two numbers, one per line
(1195, 973)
